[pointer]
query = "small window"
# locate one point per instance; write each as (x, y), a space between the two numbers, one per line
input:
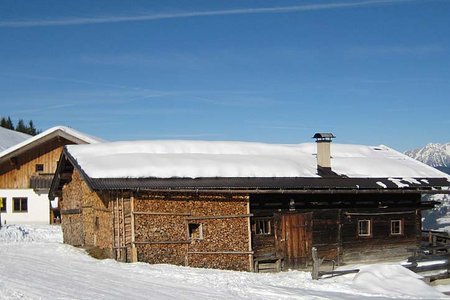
(20, 204)
(261, 226)
(39, 168)
(396, 227)
(3, 204)
(195, 231)
(364, 228)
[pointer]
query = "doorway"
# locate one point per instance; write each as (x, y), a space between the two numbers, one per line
(295, 240)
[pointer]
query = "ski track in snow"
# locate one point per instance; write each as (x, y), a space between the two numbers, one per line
(34, 264)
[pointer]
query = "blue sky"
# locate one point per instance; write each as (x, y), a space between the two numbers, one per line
(371, 72)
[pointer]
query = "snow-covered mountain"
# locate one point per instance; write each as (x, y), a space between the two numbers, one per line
(9, 138)
(435, 155)
(438, 156)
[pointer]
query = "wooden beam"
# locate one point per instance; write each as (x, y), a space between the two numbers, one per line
(219, 217)
(71, 211)
(14, 161)
(249, 232)
(133, 235)
(298, 191)
(122, 215)
(220, 252)
(160, 213)
(162, 242)
(380, 214)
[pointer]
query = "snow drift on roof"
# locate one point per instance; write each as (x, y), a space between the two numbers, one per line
(197, 159)
(9, 138)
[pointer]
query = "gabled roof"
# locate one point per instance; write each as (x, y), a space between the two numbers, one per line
(9, 138)
(58, 131)
(242, 165)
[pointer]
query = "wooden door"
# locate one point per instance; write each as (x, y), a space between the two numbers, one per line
(296, 239)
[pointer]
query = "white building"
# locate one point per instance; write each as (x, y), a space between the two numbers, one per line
(26, 172)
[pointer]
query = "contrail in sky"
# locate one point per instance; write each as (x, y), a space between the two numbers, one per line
(194, 14)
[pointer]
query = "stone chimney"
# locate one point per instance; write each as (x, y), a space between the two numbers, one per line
(323, 141)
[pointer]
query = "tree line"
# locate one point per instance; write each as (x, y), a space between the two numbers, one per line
(20, 126)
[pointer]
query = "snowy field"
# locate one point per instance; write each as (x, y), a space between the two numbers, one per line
(34, 264)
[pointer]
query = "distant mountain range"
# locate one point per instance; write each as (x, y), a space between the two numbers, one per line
(435, 155)
(438, 156)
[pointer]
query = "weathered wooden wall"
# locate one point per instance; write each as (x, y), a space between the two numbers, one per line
(381, 245)
(326, 233)
(161, 223)
(334, 228)
(86, 216)
(16, 174)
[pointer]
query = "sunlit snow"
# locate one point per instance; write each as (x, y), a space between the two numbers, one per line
(195, 159)
(35, 264)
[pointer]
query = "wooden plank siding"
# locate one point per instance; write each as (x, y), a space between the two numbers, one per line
(15, 174)
(380, 243)
(334, 227)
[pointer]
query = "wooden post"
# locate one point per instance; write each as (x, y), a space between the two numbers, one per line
(434, 243)
(133, 236)
(113, 229)
(124, 237)
(316, 264)
(249, 227)
(118, 256)
(339, 237)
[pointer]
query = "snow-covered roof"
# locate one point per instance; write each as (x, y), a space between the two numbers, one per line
(62, 131)
(9, 138)
(206, 159)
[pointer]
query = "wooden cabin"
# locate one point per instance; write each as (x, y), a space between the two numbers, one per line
(242, 206)
(26, 172)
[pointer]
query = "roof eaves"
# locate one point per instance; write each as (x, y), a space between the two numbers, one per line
(286, 185)
(65, 155)
(61, 131)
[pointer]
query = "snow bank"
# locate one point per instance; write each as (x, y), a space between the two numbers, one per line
(395, 281)
(195, 159)
(34, 264)
(30, 233)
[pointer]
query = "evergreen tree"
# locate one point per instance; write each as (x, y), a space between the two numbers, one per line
(31, 129)
(21, 126)
(7, 123)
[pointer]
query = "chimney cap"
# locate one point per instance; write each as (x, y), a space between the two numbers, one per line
(323, 136)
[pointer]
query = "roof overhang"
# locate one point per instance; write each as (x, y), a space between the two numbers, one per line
(250, 185)
(35, 141)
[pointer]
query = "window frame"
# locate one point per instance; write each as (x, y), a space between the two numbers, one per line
(21, 199)
(262, 225)
(400, 227)
(5, 204)
(191, 231)
(369, 228)
(37, 168)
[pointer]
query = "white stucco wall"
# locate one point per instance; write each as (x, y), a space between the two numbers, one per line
(38, 207)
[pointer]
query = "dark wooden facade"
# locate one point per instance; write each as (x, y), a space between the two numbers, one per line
(331, 223)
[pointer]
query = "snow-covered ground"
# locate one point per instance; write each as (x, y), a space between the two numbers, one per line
(35, 264)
